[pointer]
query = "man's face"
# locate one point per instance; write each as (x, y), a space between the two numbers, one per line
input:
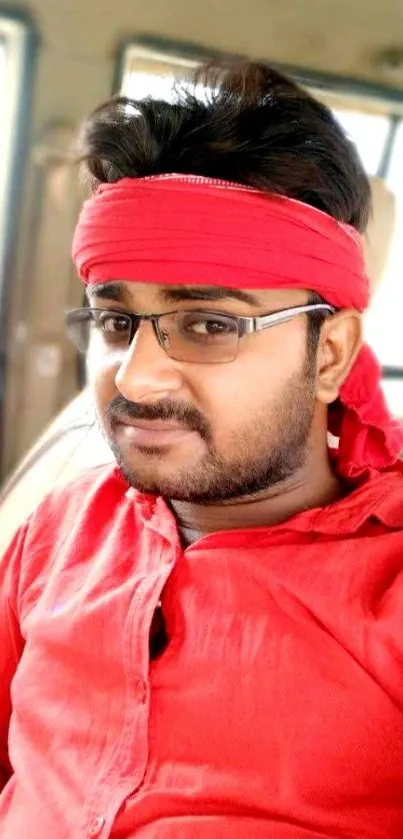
(205, 433)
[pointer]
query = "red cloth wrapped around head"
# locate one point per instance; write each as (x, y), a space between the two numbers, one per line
(183, 229)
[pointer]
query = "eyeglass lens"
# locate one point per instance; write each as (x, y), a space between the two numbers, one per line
(185, 336)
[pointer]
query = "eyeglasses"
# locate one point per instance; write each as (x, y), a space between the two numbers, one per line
(199, 337)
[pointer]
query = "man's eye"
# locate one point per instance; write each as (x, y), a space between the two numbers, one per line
(112, 326)
(208, 326)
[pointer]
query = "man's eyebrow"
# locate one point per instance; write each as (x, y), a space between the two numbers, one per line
(115, 290)
(108, 291)
(182, 293)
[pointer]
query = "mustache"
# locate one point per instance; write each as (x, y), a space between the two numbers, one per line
(168, 409)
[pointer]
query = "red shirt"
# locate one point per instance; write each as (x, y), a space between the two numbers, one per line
(275, 710)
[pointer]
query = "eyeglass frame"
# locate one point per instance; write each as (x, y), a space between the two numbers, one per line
(246, 325)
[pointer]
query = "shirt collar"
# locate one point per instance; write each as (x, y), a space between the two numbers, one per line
(380, 497)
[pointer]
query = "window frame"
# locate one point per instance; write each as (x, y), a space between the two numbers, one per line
(18, 34)
(389, 97)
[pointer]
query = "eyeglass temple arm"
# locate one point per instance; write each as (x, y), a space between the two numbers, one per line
(282, 317)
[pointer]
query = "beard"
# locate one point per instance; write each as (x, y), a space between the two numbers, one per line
(262, 453)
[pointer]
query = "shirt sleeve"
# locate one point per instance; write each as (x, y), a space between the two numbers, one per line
(11, 641)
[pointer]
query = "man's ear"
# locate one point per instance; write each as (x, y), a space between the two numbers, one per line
(339, 344)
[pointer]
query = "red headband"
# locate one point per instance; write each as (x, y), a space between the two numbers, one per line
(180, 229)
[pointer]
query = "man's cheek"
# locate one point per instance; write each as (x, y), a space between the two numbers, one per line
(101, 376)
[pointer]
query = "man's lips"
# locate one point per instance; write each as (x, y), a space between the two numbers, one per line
(149, 433)
(150, 425)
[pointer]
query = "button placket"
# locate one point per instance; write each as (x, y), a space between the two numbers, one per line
(136, 725)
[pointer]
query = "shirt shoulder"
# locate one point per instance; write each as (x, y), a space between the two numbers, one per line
(76, 514)
(98, 485)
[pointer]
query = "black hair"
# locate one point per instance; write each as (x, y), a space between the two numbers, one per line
(251, 125)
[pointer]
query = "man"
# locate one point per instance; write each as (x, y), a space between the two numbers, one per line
(206, 641)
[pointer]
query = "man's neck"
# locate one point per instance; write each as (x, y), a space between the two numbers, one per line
(312, 487)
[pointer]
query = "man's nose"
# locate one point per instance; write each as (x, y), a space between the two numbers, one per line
(146, 372)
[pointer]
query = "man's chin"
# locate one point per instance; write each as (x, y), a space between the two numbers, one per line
(156, 483)
(198, 483)
(156, 471)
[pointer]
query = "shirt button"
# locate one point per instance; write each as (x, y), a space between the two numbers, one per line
(141, 690)
(96, 826)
